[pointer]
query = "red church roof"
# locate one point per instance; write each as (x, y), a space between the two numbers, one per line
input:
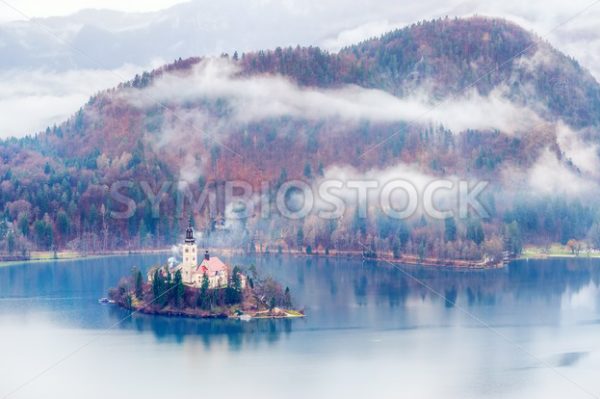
(211, 266)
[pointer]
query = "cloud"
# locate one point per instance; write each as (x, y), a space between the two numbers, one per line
(570, 26)
(583, 155)
(399, 191)
(32, 100)
(200, 27)
(551, 176)
(262, 97)
(357, 34)
(379, 178)
(37, 8)
(252, 99)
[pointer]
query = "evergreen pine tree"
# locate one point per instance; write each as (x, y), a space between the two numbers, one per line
(10, 242)
(203, 297)
(287, 298)
(179, 289)
(450, 229)
(139, 284)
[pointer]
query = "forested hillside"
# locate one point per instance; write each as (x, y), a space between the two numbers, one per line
(470, 98)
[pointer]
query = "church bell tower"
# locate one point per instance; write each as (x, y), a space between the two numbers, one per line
(190, 251)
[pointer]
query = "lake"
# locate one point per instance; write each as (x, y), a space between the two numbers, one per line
(531, 330)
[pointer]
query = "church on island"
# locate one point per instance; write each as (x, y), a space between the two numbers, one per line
(192, 272)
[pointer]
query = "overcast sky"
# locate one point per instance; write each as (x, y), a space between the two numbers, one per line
(41, 76)
(41, 8)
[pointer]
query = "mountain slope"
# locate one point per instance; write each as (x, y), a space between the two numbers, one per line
(475, 98)
(440, 60)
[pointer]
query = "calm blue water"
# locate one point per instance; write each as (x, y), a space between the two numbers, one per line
(529, 331)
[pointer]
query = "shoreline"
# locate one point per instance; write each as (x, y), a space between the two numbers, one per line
(191, 314)
(69, 256)
(64, 256)
(555, 251)
(409, 260)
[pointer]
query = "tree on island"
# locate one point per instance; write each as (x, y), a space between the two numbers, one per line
(252, 272)
(287, 302)
(170, 296)
(156, 284)
(233, 293)
(128, 301)
(236, 280)
(161, 288)
(179, 289)
(269, 294)
(139, 283)
(167, 277)
(203, 300)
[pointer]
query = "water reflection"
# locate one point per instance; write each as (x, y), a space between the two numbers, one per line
(83, 277)
(412, 330)
(336, 293)
(235, 333)
(329, 280)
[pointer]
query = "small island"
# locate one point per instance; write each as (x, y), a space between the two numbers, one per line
(209, 289)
